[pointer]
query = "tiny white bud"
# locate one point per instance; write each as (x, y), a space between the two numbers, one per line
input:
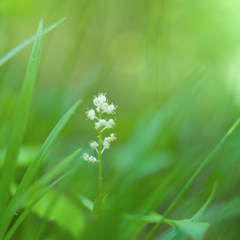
(110, 123)
(93, 144)
(107, 139)
(90, 114)
(105, 106)
(97, 102)
(85, 156)
(92, 159)
(102, 97)
(110, 109)
(112, 136)
(106, 145)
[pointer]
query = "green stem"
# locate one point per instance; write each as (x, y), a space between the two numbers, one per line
(99, 158)
(190, 182)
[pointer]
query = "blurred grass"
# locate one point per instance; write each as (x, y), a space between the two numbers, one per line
(172, 67)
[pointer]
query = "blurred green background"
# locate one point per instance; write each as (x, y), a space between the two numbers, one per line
(172, 67)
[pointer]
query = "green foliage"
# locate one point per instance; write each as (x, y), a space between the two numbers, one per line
(172, 69)
(20, 121)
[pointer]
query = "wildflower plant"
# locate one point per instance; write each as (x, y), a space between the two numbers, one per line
(101, 124)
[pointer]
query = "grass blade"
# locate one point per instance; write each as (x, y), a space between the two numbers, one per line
(28, 210)
(20, 120)
(32, 169)
(53, 172)
(191, 180)
(24, 44)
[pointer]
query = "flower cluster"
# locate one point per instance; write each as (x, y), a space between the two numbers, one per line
(102, 106)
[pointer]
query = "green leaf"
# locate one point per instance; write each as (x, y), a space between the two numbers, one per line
(30, 173)
(65, 213)
(25, 156)
(86, 202)
(99, 207)
(53, 172)
(205, 205)
(30, 207)
(20, 47)
(194, 230)
(20, 120)
(179, 235)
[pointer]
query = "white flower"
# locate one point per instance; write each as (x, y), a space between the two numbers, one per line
(112, 136)
(105, 106)
(100, 123)
(97, 102)
(85, 156)
(92, 159)
(106, 144)
(107, 139)
(90, 114)
(97, 125)
(93, 144)
(102, 97)
(110, 109)
(110, 123)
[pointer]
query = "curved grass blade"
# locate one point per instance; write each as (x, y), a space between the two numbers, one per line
(28, 210)
(205, 205)
(53, 172)
(32, 169)
(192, 180)
(180, 234)
(20, 47)
(20, 120)
(38, 185)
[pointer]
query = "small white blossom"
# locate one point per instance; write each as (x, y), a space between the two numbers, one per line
(93, 144)
(97, 102)
(110, 109)
(92, 159)
(106, 145)
(97, 125)
(102, 97)
(100, 123)
(105, 107)
(85, 156)
(110, 123)
(90, 114)
(107, 139)
(112, 136)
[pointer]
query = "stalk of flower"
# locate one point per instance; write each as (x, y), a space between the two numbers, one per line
(102, 107)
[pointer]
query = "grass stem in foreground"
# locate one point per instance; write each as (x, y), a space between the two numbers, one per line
(191, 181)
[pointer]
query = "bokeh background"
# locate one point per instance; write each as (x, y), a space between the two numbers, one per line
(173, 69)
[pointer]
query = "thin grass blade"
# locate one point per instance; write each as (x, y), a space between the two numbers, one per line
(24, 44)
(20, 120)
(32, 169)
(28, 210)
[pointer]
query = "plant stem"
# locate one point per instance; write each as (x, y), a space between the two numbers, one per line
(99, 158)
(190, 182)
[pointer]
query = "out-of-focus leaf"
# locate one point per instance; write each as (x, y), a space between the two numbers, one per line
(99, 207)
(25, 157)
(179, 235)
(194, 230)
(191, 229)
(86, 202)
(29, 208)
(26, 181)
(65, 213)
(19, 124)
(17, 49)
